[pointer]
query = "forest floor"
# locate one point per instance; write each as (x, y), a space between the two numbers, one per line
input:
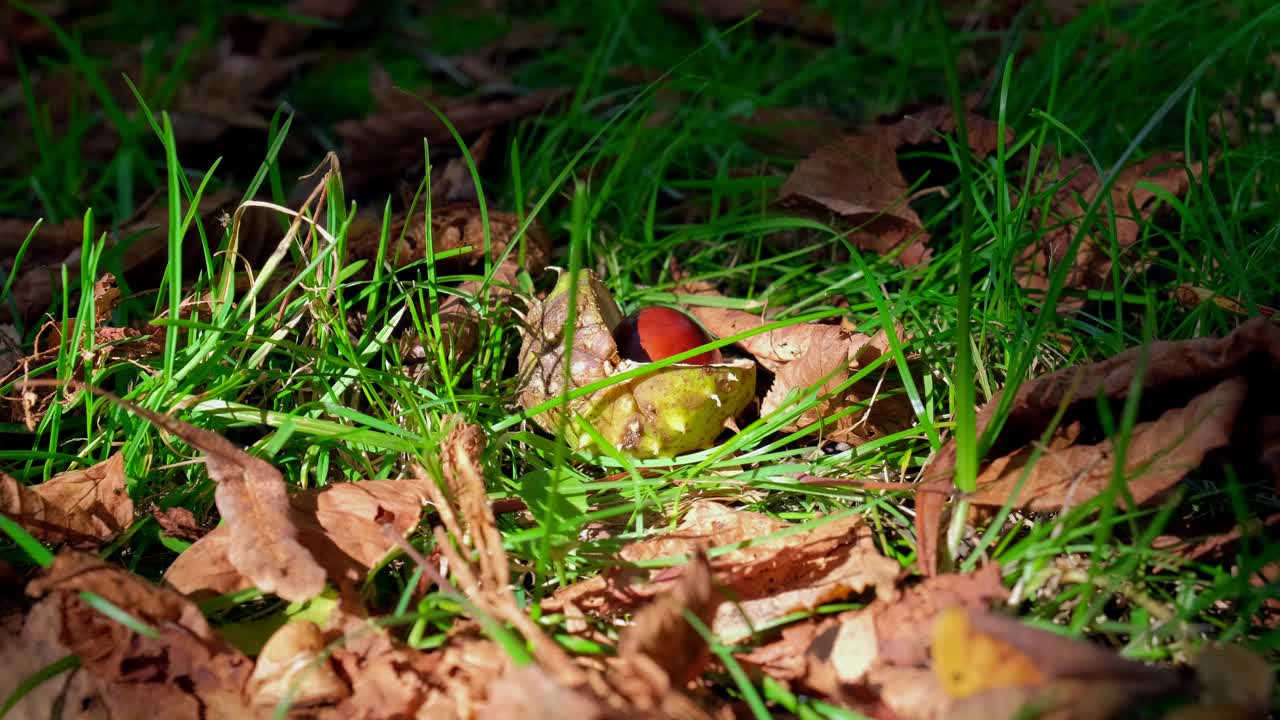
(311, 401)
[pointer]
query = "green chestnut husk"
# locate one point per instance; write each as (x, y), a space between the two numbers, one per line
(670, 411)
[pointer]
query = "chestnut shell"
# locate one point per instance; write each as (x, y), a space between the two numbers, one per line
(669, 411)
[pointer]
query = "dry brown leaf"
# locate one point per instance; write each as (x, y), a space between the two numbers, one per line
(491, 63)
(39, 282)
(293, 665)
(10, 348)
(528, 692)
(229, 91)
(388, 143)
(458, 226)
(460, 461)
(1159, 453)
(1186, 384)
(808, 354)
(186, 670)
(853, 656)
(1091, 266)
(1211, 548)
(451, 182)
(26, 651)
(178, 522)
(250, 494)
(82, 508)
(661, 632)
(388, 679)
(1234, 681)
(1189, 296)
(766, 580)
(340, 525)
(990, 662)
(53, 243)
(902, 627)
(857, 177)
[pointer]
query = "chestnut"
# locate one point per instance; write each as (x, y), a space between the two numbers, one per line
(653, 333)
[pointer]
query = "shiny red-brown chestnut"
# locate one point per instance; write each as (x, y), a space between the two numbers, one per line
(653, 333)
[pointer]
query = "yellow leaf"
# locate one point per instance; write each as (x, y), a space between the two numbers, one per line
(967, 662)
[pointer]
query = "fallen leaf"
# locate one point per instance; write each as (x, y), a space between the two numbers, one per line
(229, 90)
(250, 495)
(284, 36)
(294, 666)
(491, 63)
(1159, 453)
(51, 244)
(10, 348)
(857, 177)
(182, 668)
(1190, 297)
(458, 226)
(1130, 194)
(967, 661)
(452, 182)
(1233, 682)
(1210, 548)
(903, 626)
(790, 131)
(1196, 394)
(82, 508)
(764, 581)
(528, 692)
(388, 679)
(178, 522)
(661, 631)
(875, 660)
(40, 282)
(388, 143)
(990, 662)
(340, 525)
(805, 355)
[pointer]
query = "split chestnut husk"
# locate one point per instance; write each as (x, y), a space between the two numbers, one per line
(669, 411)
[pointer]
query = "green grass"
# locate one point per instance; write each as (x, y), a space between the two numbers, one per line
(274, 369)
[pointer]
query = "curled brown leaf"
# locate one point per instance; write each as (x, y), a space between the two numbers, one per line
(82, 508)
(1195, 395)
(340, 525)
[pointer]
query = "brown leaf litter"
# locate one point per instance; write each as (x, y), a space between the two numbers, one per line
(635, 685)
(834, 655)
(39, 279)
(805, 355)
(1199, 396)
(925, 650)
(990, 666)
(388, 143)
(761, 582)
(458, 227)
(340, 525)
(857, 178)
(80, 508)
(251, 497)
(181, 669)
(1133, 202)
(229, 91)
(1190, 297)
(108, 343)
